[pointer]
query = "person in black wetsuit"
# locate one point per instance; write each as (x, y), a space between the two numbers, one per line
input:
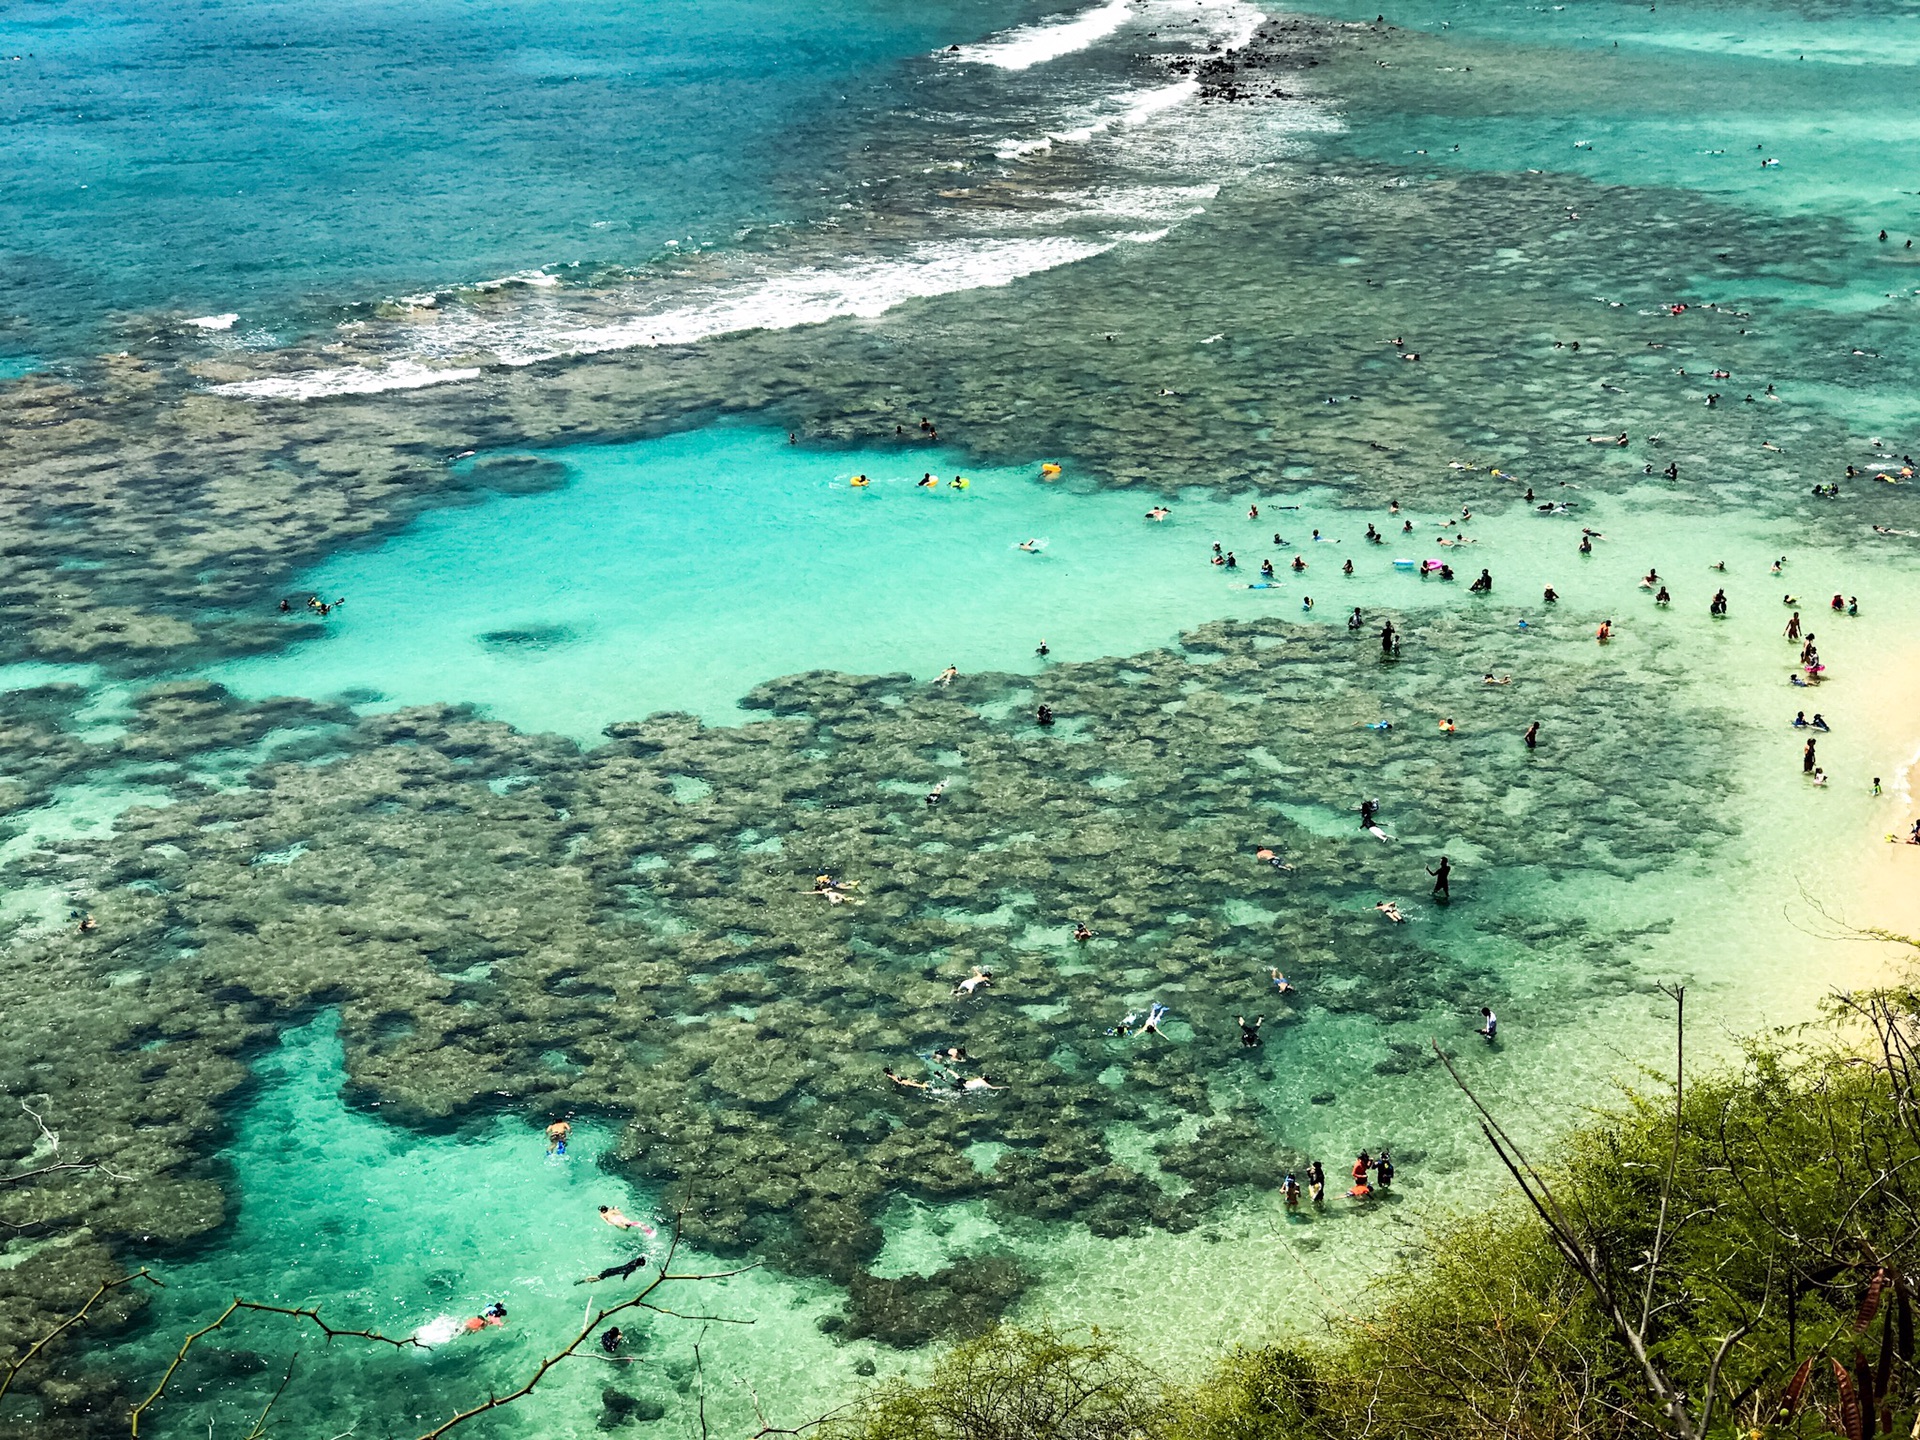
(1440, 878)
(615, 1272)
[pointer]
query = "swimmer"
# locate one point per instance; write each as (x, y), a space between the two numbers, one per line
(1266, 569)
(1249, 1034)
(1380, 725)
(1081, 933)
(1278, 540)
(88, 924)
(557, 1134)
(1717, 607)
(1347, 569)
(957, 1053)
(926, 482)
(1299, 564)
(959, 482)
(1663, 598)
(1482, 586)
(1819, 776)
(1354, 622)
(1605, 632)
(1306, 602)
(1789, 599)
(1272, 859)
(1032, 547)
(1650, 579)
(947, 676)
(622, 1271)
(974, 1083)
(495, 1315)
(1391, 911)
(613, 1215)
(1041, 650)
(1253, 512)
(979, 980)
(1799, 719)
(934, 795)
(1819, 722)
(906, 1082)
(1368, 809)
(1586, 545)
(1043, 716)
(1049, 470)
(1151, 1024)
(1532, 737)
(1491, 679)
(859, 482)
(1281, 985)
(611, 1339)
(1447, 726)
(1360, 1191)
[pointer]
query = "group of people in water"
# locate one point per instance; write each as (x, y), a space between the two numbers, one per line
(1370, 1176)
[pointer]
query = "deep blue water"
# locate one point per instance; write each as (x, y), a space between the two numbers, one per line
(272, 157)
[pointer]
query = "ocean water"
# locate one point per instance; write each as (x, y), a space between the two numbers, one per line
(874, 226)
(275, 161)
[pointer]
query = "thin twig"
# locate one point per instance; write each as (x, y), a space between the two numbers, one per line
(79, 1316)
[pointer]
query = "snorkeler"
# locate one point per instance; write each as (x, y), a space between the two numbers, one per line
(1391, 911)
(617, 1218)
(1249, 1034)
(1043, 716)
(904, 1081)
(1281, 985)
(935, 795)
(947, 676)
(495, 1315)
(1158, 512)
(979, 980)
(1491, 679)
(611, 1339)
(622, 1271)
(557, 1134)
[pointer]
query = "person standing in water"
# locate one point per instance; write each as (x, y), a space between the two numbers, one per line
(1441, 876)
(1489, 1024)
(1807, 757)
(1316, 1183)
(1532, 737)
(1290, 1192)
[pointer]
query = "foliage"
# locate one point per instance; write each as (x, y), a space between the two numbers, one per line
(1016, 1384)
(1784, 1269)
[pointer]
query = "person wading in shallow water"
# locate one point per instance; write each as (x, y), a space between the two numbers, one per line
(1441, 874)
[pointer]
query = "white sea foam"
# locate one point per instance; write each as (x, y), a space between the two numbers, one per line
(1032, 45)
(348, 380)
(784, 301)
(215, 322)
(775, 302)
